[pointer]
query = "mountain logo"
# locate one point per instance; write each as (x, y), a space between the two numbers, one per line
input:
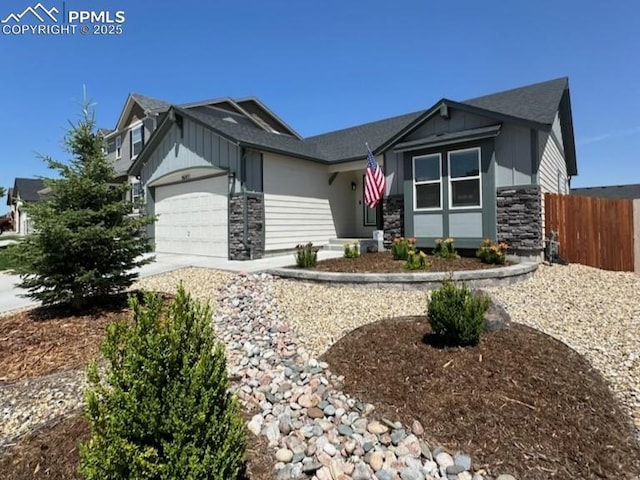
(38, 11)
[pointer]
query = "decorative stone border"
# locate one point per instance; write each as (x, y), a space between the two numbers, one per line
(490, 277)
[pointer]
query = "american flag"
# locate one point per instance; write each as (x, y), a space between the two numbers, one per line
(374, 183)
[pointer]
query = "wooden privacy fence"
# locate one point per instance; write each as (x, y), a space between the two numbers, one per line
(592, 231)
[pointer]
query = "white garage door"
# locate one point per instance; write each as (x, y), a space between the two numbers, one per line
(192, 217)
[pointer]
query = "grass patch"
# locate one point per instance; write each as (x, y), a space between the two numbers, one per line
(6, 263)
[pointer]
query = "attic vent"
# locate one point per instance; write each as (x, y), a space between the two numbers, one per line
(230, 120)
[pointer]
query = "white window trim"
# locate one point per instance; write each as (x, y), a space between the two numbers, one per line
(474, 177)
(426, 182)
(132, 127)
(118, 147)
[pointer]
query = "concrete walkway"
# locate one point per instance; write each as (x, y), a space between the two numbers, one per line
(10, 298)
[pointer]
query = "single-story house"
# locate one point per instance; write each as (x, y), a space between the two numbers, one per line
(629, 192)
(25, 190)
(223, 184)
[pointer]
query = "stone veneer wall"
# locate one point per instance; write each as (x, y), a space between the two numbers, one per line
(393, 217)
(255, 228)
(519, 219)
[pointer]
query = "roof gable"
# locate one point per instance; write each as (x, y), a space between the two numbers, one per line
(535, 103)
(148, 106)
(27, 189)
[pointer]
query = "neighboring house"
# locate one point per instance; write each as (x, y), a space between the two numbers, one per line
(630, 192)
(25, 190)
(226, 184)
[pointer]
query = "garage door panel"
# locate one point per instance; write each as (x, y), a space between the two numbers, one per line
(192, 217)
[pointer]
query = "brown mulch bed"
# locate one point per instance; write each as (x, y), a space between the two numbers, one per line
(31, 347)
(44, 340)
(383, 262)
(520, 401)
(53, 453)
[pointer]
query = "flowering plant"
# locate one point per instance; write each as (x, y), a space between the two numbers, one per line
(492, 252)
(351, 249)
(401, 246)
(445, 249)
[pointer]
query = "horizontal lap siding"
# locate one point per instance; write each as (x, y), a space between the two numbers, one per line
(297, 203)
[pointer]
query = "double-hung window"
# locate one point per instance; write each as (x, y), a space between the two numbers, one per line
(465, 184)
(427, 182)
(118, 147)
(137, 140)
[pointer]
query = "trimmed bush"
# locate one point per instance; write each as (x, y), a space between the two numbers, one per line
(456, 315)
(306, 255)
(163, 410)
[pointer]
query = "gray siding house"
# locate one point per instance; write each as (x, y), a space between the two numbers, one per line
(228, 178)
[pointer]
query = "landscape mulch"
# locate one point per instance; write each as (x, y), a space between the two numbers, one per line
(383, 262)
(520, 401)
(53, 453)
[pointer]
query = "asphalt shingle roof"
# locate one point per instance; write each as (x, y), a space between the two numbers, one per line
(150, 104)
(27, 189)
(536, 103)
(350, 142)
(610, 191)
(255, 136)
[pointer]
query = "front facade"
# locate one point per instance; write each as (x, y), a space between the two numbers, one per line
(229, 186)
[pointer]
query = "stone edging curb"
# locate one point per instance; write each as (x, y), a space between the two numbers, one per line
(474, 278)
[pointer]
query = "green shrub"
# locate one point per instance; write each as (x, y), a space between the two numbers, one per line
(351, 249)
(306, 255)
(163, 410)
(401, 246)
(492, 253)
(456, 315)
(444, 248)
(416, 260)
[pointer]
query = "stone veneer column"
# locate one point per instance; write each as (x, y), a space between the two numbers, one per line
(255, 226)
(393, 217)
(519, 219)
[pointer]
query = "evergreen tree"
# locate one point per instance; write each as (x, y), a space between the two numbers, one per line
(86, 241)
(163, 409)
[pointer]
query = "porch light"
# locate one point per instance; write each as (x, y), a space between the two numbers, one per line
(353, 186)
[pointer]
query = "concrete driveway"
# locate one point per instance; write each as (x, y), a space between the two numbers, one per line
(10, 298)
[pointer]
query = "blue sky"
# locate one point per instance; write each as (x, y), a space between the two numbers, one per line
(324, 65)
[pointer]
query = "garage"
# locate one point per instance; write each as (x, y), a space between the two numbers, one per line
(192, 217)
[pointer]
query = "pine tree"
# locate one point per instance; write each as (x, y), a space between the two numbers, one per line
(86, 242)
(163, 410)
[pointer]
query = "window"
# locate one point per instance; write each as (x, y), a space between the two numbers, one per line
(465, 189)
(118, 147)
(137, 141)
(427, 182)
(136, 191)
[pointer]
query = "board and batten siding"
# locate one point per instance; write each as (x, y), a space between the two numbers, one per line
(553, 167)
(514, 156)
(296, 202)
(195, 147)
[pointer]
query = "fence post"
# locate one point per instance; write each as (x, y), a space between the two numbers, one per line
(636, 235)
